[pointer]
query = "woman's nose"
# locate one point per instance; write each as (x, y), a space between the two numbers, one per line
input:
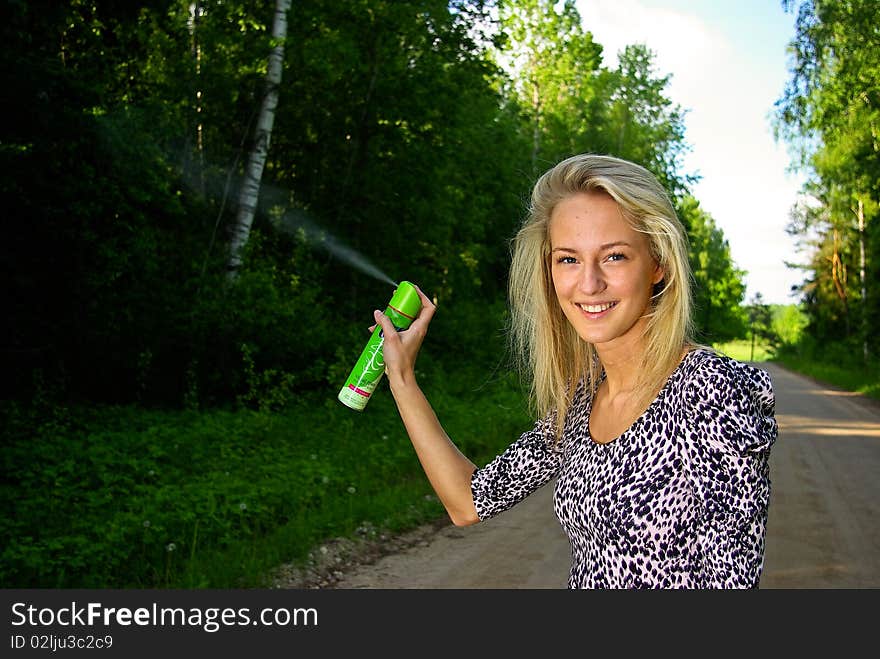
(591, 280)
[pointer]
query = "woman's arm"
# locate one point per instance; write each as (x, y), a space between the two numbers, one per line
(448, 470)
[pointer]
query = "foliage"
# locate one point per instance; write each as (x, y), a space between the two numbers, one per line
(772, 329)
(641, 123)
(788, 324)
(777, 327)
(118, 497)
(410, 131)
(760, 320)
(122, 170)
(745, 351)
(719, 289)
(553, 63)
(839, 364)
(829, 114)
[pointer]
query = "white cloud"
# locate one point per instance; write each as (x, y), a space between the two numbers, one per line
(729, 96)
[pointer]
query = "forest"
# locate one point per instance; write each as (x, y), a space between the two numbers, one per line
(208, 198)
(829, 114)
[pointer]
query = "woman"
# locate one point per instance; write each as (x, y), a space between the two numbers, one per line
(659, 447)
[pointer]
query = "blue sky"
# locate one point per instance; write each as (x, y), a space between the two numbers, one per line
(729, 65)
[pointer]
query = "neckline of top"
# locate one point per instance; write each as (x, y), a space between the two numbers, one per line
(660, 395)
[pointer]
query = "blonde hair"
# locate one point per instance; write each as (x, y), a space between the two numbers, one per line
(550, 353)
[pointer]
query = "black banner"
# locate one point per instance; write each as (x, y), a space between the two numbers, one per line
(171, 623)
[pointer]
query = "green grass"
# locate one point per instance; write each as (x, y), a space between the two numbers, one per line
(742, 350)
(838, 366)
(121, 497)
(854, 377)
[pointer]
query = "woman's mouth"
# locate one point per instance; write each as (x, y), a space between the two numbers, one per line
(596, 310)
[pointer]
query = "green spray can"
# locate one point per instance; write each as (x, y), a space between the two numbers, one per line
(402, 310)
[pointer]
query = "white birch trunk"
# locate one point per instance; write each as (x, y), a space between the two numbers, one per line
(195, 14)
(253, 173)
(861, 215)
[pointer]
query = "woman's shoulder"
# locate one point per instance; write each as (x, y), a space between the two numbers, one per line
(708, 371)
(730, 396)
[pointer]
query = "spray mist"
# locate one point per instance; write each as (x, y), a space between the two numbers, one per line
(402, 310)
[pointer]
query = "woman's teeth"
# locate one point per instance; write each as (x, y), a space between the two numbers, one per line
(596, 308)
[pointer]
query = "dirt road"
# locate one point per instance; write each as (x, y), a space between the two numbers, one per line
(824, 528)
(823, 532)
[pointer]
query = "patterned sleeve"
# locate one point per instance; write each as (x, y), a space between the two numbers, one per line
(527, 464)
(729, 428)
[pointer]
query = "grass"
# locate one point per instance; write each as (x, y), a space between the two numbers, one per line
(121, 497)
(837, 366)
(852, 377)
(742, 350)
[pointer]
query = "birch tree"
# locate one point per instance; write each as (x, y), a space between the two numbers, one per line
(253, 173)
(642, 123)
(553, 63)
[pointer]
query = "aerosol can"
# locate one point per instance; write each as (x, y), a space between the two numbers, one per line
(402, 310)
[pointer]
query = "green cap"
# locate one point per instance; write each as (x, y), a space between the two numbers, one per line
(406, 300)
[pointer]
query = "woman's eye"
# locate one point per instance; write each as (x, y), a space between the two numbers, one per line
(616, 256)
(566, 259)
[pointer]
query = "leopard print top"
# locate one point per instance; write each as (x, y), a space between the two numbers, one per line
(679, 500)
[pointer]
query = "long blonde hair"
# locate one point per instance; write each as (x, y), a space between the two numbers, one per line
(550, 353)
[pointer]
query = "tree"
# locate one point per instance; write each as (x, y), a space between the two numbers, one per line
(553, 63)
(788, 324)
(718, 289)
(830, 114)
(760, 322)
(250, 188)
(640, 123)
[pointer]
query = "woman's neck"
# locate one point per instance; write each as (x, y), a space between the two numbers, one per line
(621, 363)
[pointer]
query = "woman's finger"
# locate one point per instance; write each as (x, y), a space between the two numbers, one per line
(428, 307)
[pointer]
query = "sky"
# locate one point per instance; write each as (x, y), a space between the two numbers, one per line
(729, 64)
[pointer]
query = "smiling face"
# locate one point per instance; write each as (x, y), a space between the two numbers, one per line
(603, 271)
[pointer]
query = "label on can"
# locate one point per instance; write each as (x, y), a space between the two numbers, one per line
(366, 374)
(356, 397)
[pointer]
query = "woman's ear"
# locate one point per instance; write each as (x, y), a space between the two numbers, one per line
(659, 273)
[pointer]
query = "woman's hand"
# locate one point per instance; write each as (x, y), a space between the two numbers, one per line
(400, 349)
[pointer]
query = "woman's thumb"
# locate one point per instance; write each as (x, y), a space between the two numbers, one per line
(384, 321)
